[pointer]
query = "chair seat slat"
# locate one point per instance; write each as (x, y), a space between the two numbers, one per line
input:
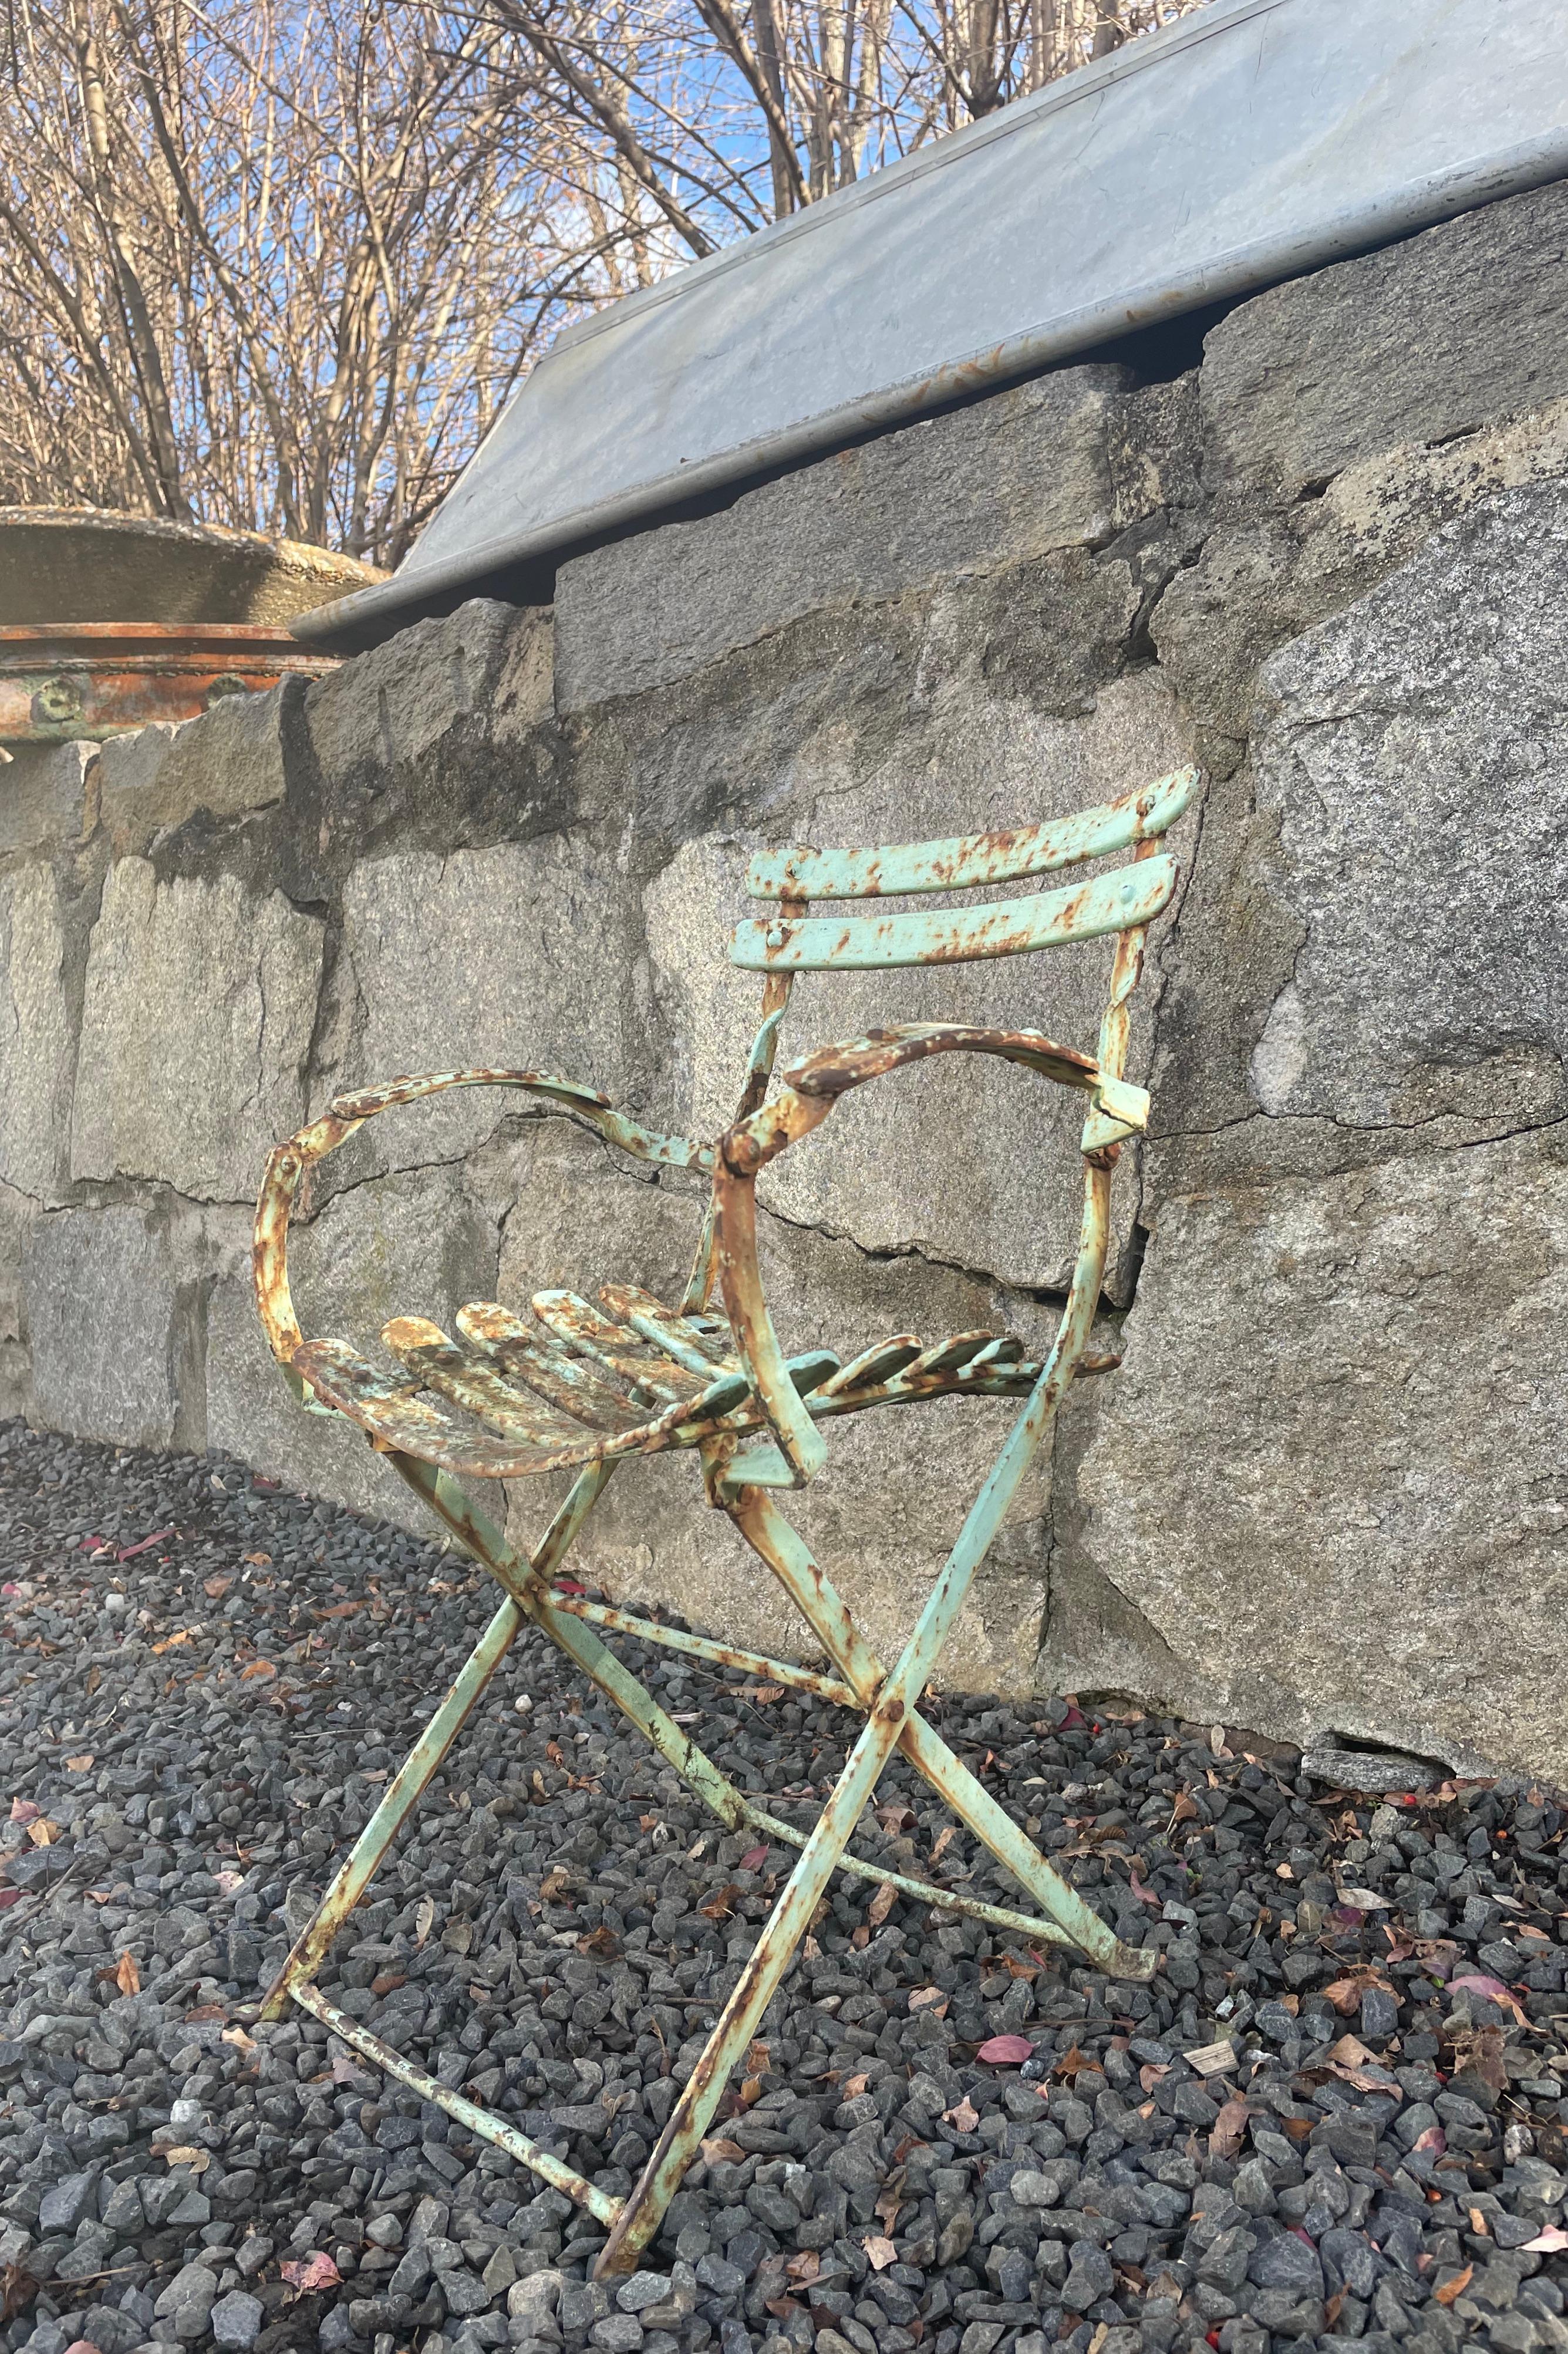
(475, 1383)
(966, 861)
(526, 1351)
(578, 1322)
(1084, 911)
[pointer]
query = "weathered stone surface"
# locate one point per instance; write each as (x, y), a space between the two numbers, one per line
(17, 1215)
(232, 763)
(1265, 579)
(36, 1041)
(1414, 750)
(1330, 1476)
(43, 798)
(898, 1483)
(968, 1163)
(522, 957)
(473, 683)
(112, 1303)
(1464, 325)
(416, 1243)
(1008, 477)
(200, 1002)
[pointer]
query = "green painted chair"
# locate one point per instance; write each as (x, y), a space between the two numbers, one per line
(580, 1385)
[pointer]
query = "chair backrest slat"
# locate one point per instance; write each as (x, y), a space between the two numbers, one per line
(969, 860)
(1084, 911)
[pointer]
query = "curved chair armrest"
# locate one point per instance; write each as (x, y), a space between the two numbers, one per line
(288, 1162)
(810, 1089)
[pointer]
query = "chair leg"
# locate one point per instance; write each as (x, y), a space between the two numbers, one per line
(349, 1883)
(783, 1550)
(775, 1949)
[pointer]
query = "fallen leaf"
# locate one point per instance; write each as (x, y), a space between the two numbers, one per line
(238, 2037)
(170, 1641)
(963, 2116)
(259, 1560)
(1549, 2243)
(23, 1810)
(1006, 2051)
(555, 1883)
(44, 1833)
(879, 2252)
(185, 2154)
(1153, 2073)
(894, 1816)
(78, 1764)
(128, 1553)
(722, 2150)
(263, 1668)
(17, 2290)
(944, 1840)
(308, 2274)
(763, 1694)
(853, 2086)
(340, 1611)
(1363, 1900)
(1459, 2283)
(803, 2269)
(754, 1858)
(423, 1920)
(1350, 2052)
(1212, 2059)
(215, 1588)
(1491, 1989)
(930, 1998)
(1144, 1895)
(127, 1977)
(1433, 2143)
(718, 1906)
(882, 1904)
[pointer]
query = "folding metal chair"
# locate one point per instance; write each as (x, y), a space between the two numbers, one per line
(580, 1386)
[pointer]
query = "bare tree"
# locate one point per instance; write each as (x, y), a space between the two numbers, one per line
(279, 263)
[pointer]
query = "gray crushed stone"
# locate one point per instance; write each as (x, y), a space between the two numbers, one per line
(192, 1729)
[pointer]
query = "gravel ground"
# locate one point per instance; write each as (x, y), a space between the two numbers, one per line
(204, 1683)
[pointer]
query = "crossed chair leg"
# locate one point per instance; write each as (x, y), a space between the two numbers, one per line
(887, 1700)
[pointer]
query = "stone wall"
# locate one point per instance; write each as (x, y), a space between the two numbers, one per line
(1328, 1487)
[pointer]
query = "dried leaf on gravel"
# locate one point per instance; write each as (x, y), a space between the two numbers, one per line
(310, 2275)
(879, 2252)
(187, 2154)
(718, 1906)
(1229, 2128)
(963, 2116)
(803, 2269)
(943, 1842)
(1006, 2051)
(1363, 1900)
(424, 1918)
(127, 1977)
(1456, 2286)
(1549, 2243)
(930, 1998)
(170, 1642)
(44, 1833)
(882, 1904)
(722, 2149)
(83, 1764)
(754, 1858)
(257, 1668)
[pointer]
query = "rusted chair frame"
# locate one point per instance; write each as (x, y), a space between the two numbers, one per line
(785, 1400)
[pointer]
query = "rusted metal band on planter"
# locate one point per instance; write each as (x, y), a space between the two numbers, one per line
(554, 2171)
